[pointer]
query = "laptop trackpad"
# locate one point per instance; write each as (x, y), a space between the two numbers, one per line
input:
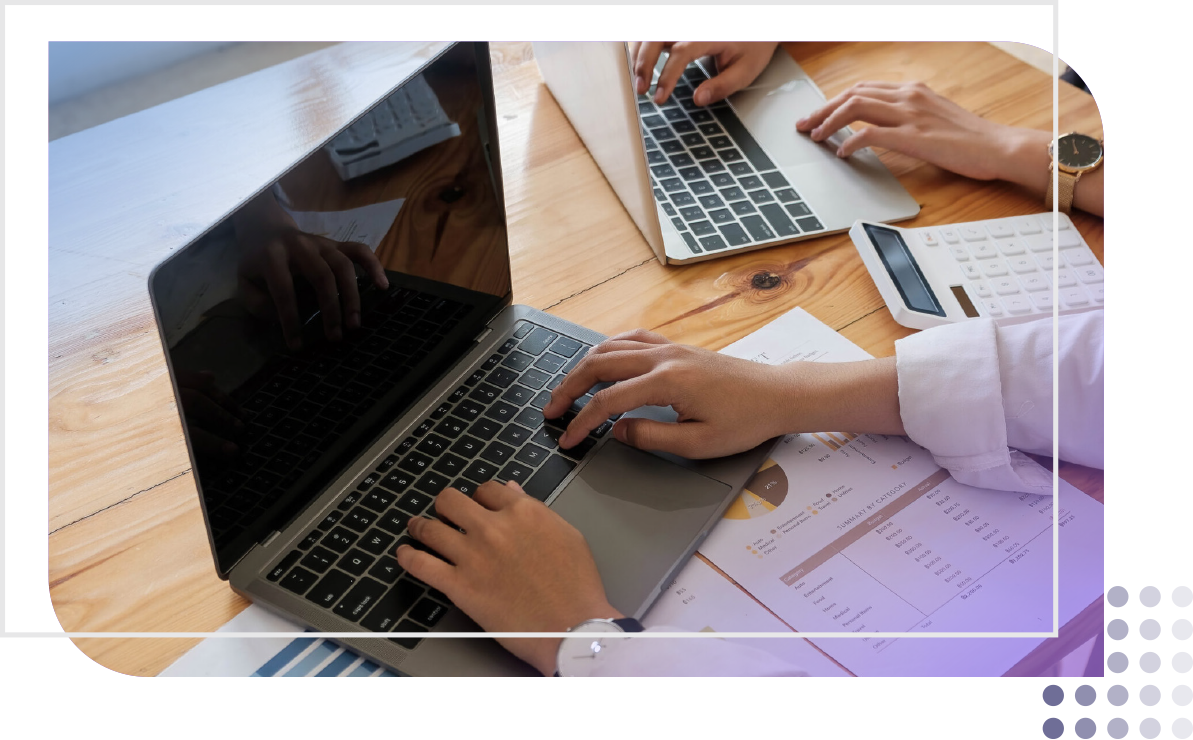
(639, 513)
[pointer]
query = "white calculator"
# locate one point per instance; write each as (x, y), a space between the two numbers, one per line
(1001, 269)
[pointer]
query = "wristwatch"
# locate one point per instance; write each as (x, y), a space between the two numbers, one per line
(1073, 155)
(580, 655)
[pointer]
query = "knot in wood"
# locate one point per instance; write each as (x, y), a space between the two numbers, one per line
(766, 280)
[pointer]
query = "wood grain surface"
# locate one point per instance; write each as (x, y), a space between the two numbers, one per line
(127, 546)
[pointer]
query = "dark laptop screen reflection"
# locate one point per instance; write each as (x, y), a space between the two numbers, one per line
(289, 354)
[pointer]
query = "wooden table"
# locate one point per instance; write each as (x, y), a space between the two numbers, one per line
(127, 546)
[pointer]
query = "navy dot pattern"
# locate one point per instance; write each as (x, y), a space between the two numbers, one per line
(1145, 692)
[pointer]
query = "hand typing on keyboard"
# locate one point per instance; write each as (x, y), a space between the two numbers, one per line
(738, 64)
(516, 566)
(274, 251)
(909, 117)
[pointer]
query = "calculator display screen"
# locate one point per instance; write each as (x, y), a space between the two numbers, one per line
(903, 269)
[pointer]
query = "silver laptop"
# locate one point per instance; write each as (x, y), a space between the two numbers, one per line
(339, 443)
(702, 182)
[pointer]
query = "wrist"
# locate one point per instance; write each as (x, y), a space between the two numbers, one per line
(1025, 159)
(842, 396)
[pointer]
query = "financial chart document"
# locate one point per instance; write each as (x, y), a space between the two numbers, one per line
(859, 533)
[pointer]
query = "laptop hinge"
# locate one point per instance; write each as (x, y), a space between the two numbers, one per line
(272, 536)
(484, 333)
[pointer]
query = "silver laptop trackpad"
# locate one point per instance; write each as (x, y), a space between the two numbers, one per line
(639, 514)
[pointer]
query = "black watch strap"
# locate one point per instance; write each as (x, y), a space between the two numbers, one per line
(629, 624)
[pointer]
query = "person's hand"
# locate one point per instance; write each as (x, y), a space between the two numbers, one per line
(738, 64)
(213, 419)
(909, 117)
(513, 566)
(725, 404)
(274, 251)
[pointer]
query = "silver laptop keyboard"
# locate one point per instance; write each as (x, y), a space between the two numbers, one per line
(490, 428)
(711, 178)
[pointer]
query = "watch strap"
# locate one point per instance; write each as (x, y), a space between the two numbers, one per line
(1066, 183)
(629, 624)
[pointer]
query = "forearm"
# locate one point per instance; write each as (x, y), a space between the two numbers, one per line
(846, 396)
(1025, 161)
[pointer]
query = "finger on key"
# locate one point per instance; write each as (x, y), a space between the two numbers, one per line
(605, 368)
(647, 390)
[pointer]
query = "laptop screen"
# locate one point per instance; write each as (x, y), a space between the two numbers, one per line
(306, 322)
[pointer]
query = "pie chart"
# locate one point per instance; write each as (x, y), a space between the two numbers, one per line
(762, 495)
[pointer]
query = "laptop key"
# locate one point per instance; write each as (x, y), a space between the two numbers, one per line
(298, 580)
(729, 155)
(722, 216)
(712, 165)
(750, 183)
(393, 522)
(713, 243)
(531, 455)
(311, 539)
(432, 483)
(548, 436)
(549, 476)
(740, 169)
(778, 220)
(653, 121)
(720, 142)
(541, 400)
(497, 452)
(734, 127)
(392, 605)
(758, 228)
(722, 180)
(691, 242)
(692, 213)
(703, 228)
(515, 472)
(330, 588)
(702, 187)
(376, 542)
(415, 463)
(484, 429)
(359, 600)
(502, 377)
(386, 569)
(583, 447)
(428, 612)
(711, 201)
(682, 198)
(550, 363)
(809, 224)
(330, 520)
(423, 428)
(450, 465)
(433, 445)
(284, 566)
(481, 471)
(672, 147)
(319, 559)
(663, 170)
(538, 341)
(691, 173)
(678, 224)
(468, 446)
(743, 207)
(710, 129)
(468, 410)
(513, 435)
(407, 625)
(786, 195)
(378, 500)
(682, 160)
(485, 393)
(775, 180)
(656, 157)
(761, 196)
(668, 209)
(360, 519)
(662, 134)
(659, 194)
(355, 562)
(674, 114)
(531, 418)
(414, 502)
(534, 378)
(450, 427)
(735, 235)
(397, 480)
(798, 209)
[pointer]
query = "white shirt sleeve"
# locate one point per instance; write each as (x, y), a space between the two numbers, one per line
(689, 656)
(969, 392)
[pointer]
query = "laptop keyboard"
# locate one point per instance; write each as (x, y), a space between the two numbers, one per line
(490, 428)
(296, 409)
(710, 177)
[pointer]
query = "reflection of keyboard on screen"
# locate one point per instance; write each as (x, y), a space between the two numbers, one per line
(403, 124)
(712, 180)
(490, 428)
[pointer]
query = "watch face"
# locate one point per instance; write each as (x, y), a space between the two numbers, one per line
(1078, 151)
(581, 652)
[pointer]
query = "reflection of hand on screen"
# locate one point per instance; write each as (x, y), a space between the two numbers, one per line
(213, 419)
(274, 250)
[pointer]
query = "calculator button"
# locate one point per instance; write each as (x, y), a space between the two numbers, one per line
(1045, 261)
(960, 253)
(1079, 257)
(983, 250)
(1098, 292)
(1064, 222)
(997, 268)
(1043, 300)
(1005, 286)
(971, 271)
(972, 233)
(1065, 279)
(929, 239)
(1090, 274)
(1069, 240)
(1000, 229)
(1017, 304)
(1035, 282)
(1027, 225)
(1022, 264)
(981, 289)
(1071, 297)
(992, 306)
(950, 235)
(1010, 247)
(1039, 242)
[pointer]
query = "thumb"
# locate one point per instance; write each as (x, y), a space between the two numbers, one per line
(681, 439)
(733, 78)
